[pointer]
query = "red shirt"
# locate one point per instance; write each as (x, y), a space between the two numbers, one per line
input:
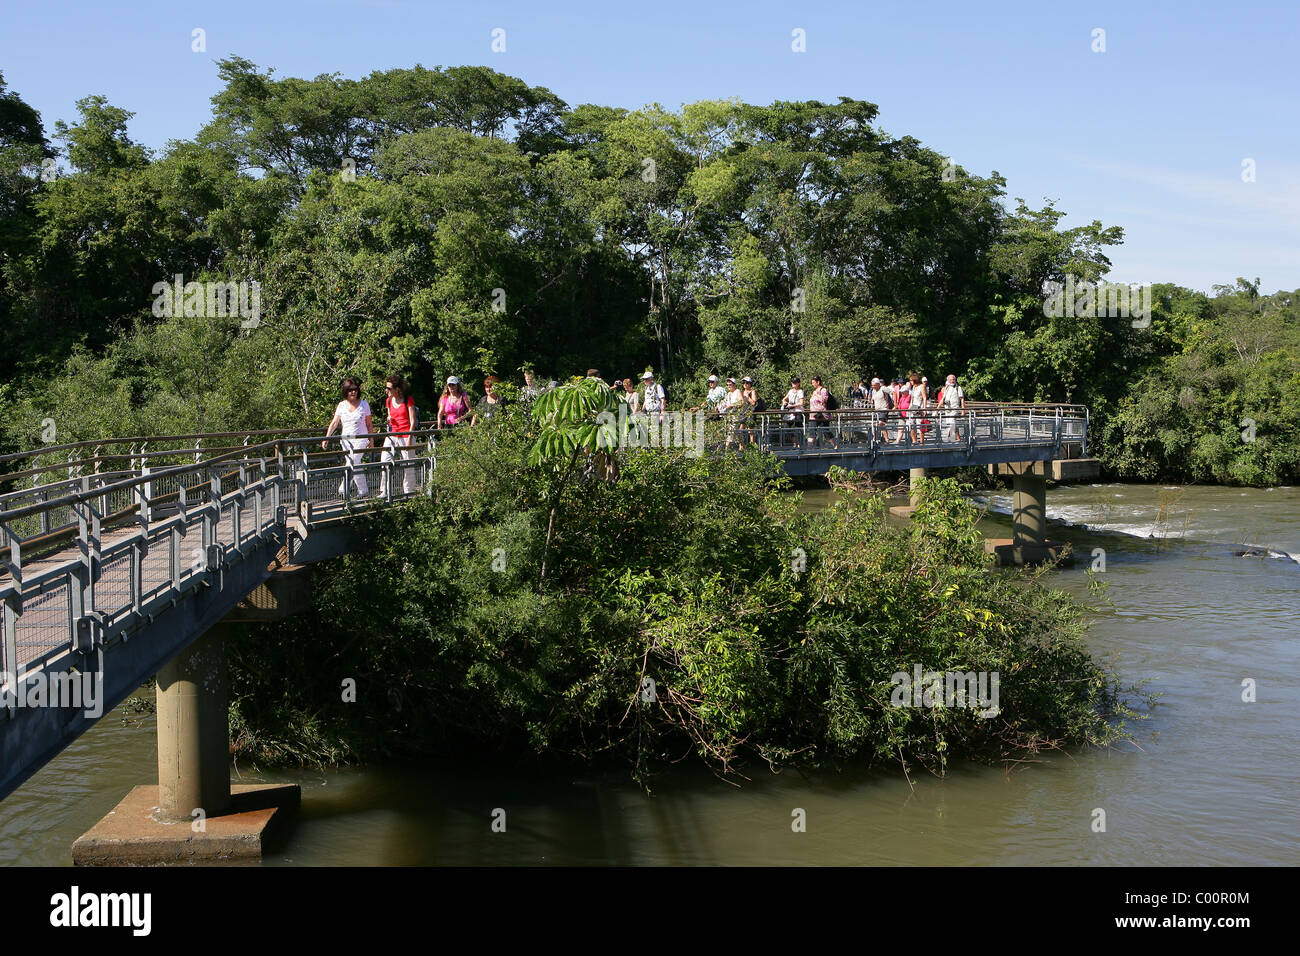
(399, 415)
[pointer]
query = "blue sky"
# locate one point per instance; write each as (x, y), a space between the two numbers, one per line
(1150, 135)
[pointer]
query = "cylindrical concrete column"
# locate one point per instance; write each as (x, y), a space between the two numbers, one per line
(913, 476)
(1029, 509)
(193, 730)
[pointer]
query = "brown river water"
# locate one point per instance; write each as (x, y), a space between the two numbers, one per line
(1211, 780)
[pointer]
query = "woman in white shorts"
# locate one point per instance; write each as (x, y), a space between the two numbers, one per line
(352, 414)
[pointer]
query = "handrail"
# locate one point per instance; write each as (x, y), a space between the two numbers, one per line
(241, 452)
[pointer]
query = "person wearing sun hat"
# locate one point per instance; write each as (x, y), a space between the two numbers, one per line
(653, 401)
(453, 405)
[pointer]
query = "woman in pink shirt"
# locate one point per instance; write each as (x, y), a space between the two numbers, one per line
(821, 418)
(453, 406)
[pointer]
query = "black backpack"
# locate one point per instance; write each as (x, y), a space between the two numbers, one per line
(832, 403)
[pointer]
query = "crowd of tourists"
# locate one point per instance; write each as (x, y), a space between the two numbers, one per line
(804, 415)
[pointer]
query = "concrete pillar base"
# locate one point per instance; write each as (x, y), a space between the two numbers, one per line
(136, 832)
(1008, 552)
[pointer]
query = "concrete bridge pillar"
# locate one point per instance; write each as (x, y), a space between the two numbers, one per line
(1029, 509)
(914, 476)
(193, 732)
(1029, 543)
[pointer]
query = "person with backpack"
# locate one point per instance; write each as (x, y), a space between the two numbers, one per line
(654, 401)
(951, 399)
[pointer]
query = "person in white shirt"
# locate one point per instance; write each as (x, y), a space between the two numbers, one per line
(733, 401)
(630, 396)
(881, 402)
(352, 414)
(951, 397)
(716, 394)
(919, 401)
(653, 402)
(732, 398)
(793, 406)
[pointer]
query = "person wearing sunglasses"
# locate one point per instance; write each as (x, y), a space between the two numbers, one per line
(398, 446)
(352, 414)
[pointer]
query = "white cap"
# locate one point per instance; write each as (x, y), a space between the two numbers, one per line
(452, 380)
(876, 381)
(713, 378)
(648, 375)
(924, 379)
(731, 380)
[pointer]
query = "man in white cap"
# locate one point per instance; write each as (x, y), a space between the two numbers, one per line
(653, 401)
(715, 395)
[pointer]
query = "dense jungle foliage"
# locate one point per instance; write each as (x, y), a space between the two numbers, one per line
(459, 221)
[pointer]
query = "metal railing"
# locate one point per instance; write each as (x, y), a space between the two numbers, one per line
(87, 558)
(882, 433)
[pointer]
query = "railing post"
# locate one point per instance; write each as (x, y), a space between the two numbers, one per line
(13, 609)
(257, 497)
(238, 506)
(174, 555)
(212, 515)
(144, 497)
(88, 541)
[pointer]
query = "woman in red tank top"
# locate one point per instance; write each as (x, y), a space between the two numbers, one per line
(398, 447)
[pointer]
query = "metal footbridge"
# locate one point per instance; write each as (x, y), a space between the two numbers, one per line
(116, 556)
(115, 559)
